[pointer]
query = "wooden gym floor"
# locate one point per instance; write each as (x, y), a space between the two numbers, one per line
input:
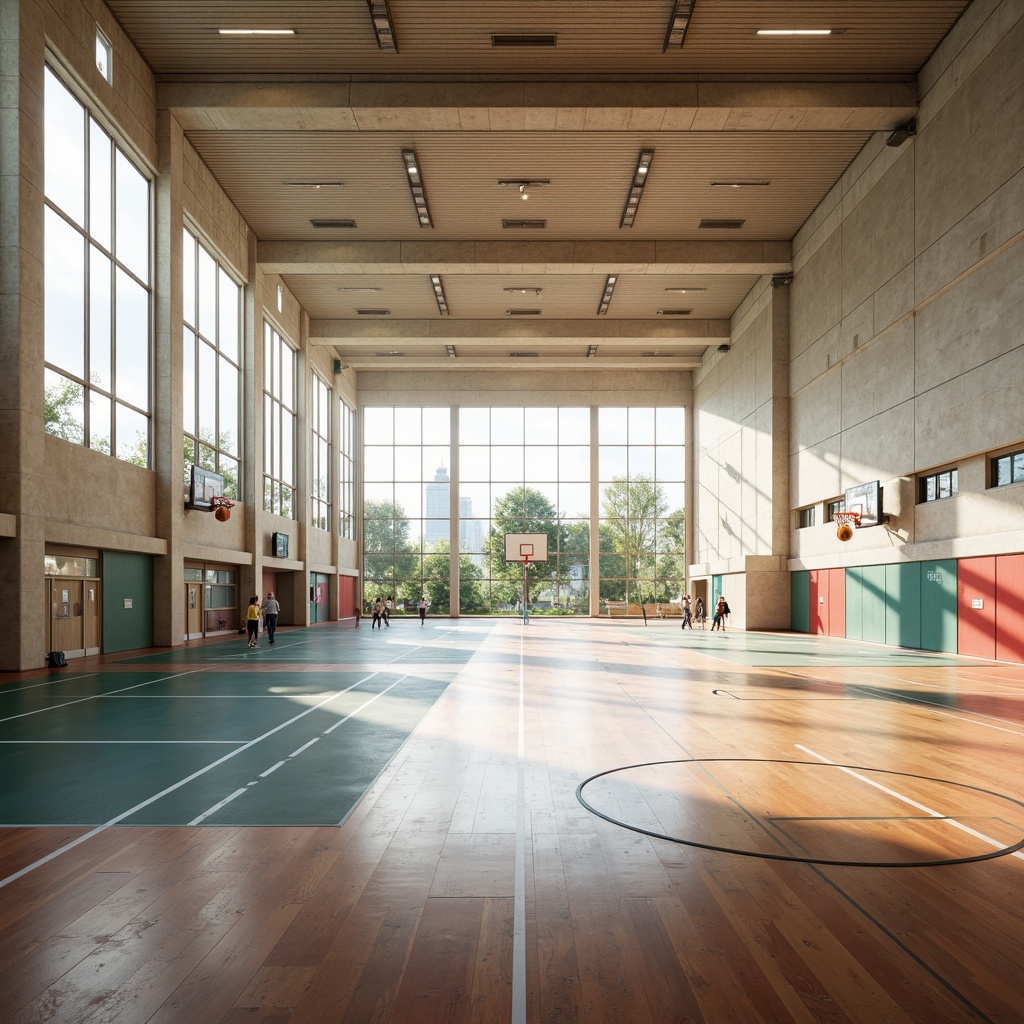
(572, 821)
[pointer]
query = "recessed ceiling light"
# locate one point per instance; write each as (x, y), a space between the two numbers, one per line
(256, 31)
(419, 196)
(794, 31)
(739, 184)
(383, 27)
(636, 188)
(684, 291)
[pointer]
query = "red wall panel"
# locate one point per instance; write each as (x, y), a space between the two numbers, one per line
(818, 618)
(346, 597)
(836, 602)
(976, 626)
(1010, 608)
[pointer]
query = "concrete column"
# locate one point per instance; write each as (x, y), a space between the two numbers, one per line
(168, 454)
(22, 455)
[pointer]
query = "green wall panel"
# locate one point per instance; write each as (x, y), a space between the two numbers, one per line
(938, 605)
(873, 603)
(127, 577)
(800, 601)
(903, 605)
(854, 603)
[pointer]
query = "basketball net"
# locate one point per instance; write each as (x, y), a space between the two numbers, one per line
(848, 521)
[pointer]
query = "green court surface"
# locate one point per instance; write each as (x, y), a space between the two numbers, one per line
(217, 734)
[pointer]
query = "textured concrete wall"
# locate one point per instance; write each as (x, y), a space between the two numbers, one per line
(906, 352)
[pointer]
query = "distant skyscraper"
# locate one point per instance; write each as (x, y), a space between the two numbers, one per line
(438, 510)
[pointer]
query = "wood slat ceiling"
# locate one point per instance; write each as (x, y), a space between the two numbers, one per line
(329, 105)
(598, 37)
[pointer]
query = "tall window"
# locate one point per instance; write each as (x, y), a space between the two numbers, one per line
(320, 450)
(211, 363)
(406, 455)
(347, 472)
(278, 424)
(525, 471)
(97, 284)
(642, 527)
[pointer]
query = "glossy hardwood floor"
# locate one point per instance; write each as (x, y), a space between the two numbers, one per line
(470, 883)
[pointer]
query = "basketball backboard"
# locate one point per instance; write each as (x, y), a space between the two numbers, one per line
(867, 500)
(522, 546)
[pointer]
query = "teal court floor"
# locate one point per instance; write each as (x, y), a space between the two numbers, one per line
(216, 734)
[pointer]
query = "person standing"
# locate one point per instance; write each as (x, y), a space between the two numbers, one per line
(423, 610)
(378, 613)
(687, 615)
(700, 613)
(271, 610)
(252, 621)
(389, 603)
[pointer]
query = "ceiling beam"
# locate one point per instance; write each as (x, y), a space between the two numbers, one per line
(651, 257)
(681, 105)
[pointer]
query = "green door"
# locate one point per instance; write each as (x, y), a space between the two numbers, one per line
(873, 603)
(903, 605)
(800, 601)
(938, 605)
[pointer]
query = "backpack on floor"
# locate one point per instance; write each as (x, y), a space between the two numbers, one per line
(57, 659)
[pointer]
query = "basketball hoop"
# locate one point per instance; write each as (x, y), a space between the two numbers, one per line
(221, 508)
(847, 521)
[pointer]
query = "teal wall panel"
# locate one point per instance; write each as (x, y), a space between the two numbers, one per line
(873, 599)
(716, 590)
(938, 605)
(799, 601)
(127, 577)
(854, 603)
(903, 605)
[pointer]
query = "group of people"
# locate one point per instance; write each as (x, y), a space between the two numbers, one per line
(267, 612)
(383, 607)
(700, 613)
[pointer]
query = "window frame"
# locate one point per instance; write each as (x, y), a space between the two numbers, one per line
(278, 409)
(935, 480)
(320, 454)
(1012, 458)
(807, 517)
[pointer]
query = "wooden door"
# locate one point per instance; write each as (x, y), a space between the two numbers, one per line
(193, 610)
(66, 632)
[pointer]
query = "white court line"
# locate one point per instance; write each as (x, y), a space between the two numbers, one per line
(519, 901)
(295, 753)
(913, 803)
(263, 775)
(182, 782)
(114, 743)
(965, 716)
(217, 807)
(97, 696)
(365, 704)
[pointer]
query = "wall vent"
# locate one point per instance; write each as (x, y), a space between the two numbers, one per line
(523, 355)
(524, 223)
(722, 224)
(374, 312)
(333, 223)
(674, 312)
(536, 39)
(522, 312)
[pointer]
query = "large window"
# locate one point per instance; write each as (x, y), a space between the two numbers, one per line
(406, 455)
(347, 471)
(1008, 469)
(278, 424)
(320, 451)
(97, 284)
(525, 471)
(937, 486)
(211, 363)
(642, 527)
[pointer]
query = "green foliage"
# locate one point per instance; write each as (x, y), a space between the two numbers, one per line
(62, 410)
(521, 510)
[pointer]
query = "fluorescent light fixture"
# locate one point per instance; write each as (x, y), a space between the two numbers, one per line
(678, 24)
(383, 27)
(359, 288)
(592, 351)
(450, 349)
(419, 196)
(442, 302)
(739, 184)
(794, 31)
(606, 298)
(685, 291)
(256, 31)
(313, 184)
(525, 184)
(524, 291)
(636, 189)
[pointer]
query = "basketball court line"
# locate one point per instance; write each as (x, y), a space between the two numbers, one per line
(117, 819)
(909, 800)
(519, 897)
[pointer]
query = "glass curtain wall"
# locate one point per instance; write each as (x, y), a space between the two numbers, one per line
(525, 470)
(406, 510)
(347, 471)
(320, 454)
(642, 505)
(278, 424)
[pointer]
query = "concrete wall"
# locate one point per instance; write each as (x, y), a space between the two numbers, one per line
(906, 349)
